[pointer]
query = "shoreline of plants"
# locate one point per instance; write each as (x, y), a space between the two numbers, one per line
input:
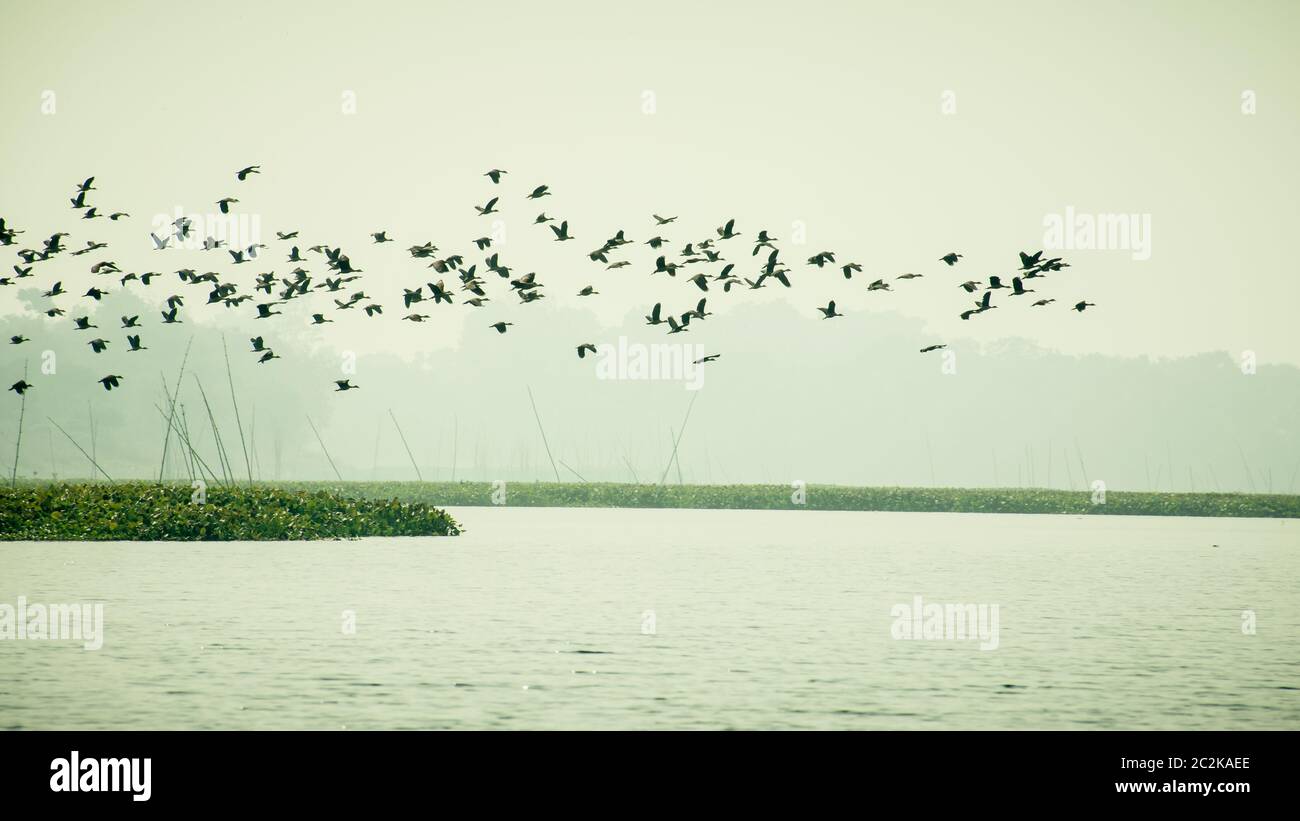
(312, 510)
(148, 511)
(821, 497)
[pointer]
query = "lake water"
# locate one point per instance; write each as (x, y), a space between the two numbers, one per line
(572, 618)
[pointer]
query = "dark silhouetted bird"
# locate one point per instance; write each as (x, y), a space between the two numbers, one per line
(829, 311)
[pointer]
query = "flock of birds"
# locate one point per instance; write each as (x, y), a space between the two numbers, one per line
(270, 293)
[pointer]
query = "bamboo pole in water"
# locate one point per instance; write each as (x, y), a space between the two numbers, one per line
(184, 436)
(1249, 476)
(410, 455)
(167, 434)
(18, 446)
(189, 456)
(538, 417)
(571, 470)
(1082, 468)
(80, 448)
(325, 449)
(677, 440)
(226, 473)
(248, 465)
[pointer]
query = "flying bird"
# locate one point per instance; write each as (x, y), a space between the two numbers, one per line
(1018, 287)
(829, 311)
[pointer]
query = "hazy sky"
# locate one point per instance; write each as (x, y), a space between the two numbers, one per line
(891, 133)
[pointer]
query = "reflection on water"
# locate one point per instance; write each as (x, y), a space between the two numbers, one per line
(547, 618)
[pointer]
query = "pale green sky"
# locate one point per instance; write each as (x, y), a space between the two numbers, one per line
(825, 113)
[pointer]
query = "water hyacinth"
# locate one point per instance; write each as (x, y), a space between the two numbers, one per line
(140, 511)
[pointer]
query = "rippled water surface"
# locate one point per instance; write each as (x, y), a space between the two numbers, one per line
(572, 618)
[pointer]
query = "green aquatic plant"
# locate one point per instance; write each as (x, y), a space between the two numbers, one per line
(145, 511)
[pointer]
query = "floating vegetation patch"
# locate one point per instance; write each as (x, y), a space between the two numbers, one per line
(144, 511)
